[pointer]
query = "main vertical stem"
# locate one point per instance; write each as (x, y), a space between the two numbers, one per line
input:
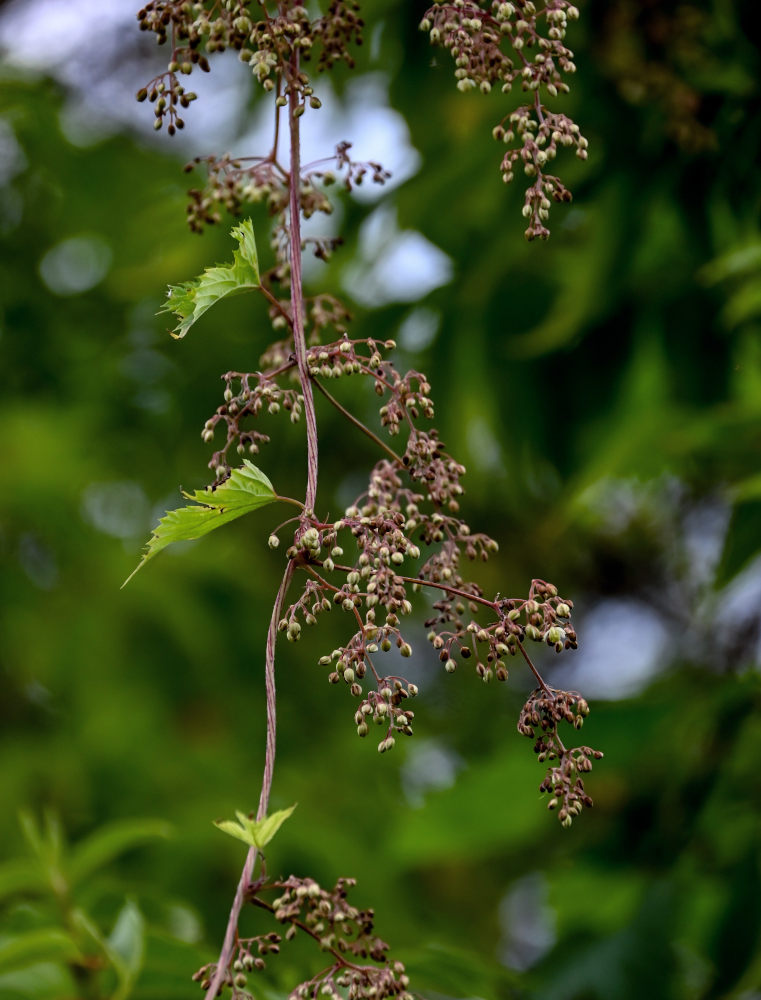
(297, 296)
(228, 945)
(300, 349)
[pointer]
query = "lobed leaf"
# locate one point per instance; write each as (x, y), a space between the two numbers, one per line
(268, 827)
(191, 299)
(255, 833)
(247, 489)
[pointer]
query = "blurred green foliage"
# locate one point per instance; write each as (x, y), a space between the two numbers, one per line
(604, 390)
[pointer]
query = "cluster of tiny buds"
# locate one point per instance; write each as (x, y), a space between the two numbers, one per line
(247, 395)
(386, 707)
(540, 141)
(346, 357)
(233, 182)
(475, 37)
(543, 620)
(165, 92)
(565, 785)
(382, 524)
(269, 46)
(518, 619)
(342, 931)
(245, 962)
(544, 710)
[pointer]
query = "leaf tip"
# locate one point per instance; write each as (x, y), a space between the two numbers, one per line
(134, 571)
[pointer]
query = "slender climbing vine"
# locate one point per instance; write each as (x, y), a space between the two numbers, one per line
(404, 533)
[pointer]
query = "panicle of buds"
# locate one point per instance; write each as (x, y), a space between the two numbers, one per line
(477, 36)
(544, 710)
(232, 182)
(268, 43)
(359, 968)
(404, 532)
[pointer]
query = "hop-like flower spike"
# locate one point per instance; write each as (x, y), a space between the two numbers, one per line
(479, 37)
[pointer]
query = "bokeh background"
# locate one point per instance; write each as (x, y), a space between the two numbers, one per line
(604, 391)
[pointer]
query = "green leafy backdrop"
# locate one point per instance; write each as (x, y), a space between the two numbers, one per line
(604, 390)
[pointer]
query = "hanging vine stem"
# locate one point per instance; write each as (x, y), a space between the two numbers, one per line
(411, 497)
(299, 340)
(228, 945)
(297, 297)
(305, 382)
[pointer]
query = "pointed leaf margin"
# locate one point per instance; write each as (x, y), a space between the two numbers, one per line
(247, 489)
(189, 300)
(255, 833)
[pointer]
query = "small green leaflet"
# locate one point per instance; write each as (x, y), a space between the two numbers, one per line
(252, 832)
(190, 300)
(246, 490)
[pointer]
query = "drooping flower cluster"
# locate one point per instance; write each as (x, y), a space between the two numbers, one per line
(360, 967)
(401, 535)
(404, 533)
(539, 719)
(477, 35)
(266, 40)
(232, 182)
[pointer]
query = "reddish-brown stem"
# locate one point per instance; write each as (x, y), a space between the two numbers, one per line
(228, 945)
(357, 423)
(323, 582)
(379, 378)
(297, 297)
(538, 107)
(340, 959)
(451, 590)
(299, 340)
(274, 302)
(276, 139)
(291, 501)
(534, 671)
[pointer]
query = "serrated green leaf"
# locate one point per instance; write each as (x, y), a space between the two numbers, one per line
(268, 827)
(191, 299)
(247, 489)
(109, 842)
(43, 945)
(255, 834)
(236, 830)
